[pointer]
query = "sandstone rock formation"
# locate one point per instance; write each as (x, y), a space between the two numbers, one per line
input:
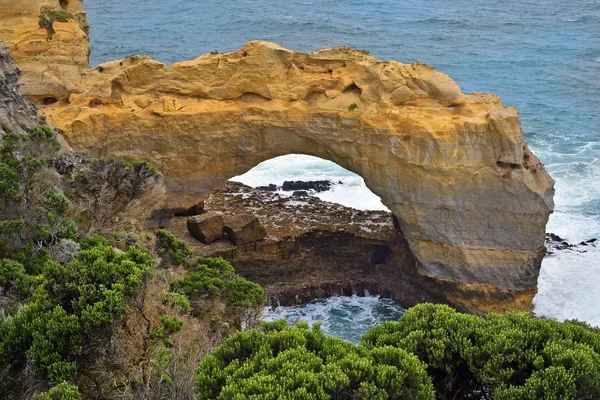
(316, 249)
(243, 228)
(470, 198)
(51, 69)
(206, 227)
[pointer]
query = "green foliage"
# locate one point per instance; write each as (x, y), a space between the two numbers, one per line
(171, 249)
(215, 277)
(14, 279)
(48, 18)
(353, 107)
(168, 326)
(39, 206)
(43, 132)
(510, 357)
(301, 363)
(516, 356)
(69, 304)
(9, 181)
(62, 391)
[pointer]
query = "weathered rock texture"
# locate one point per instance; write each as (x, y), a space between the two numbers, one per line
(16, 113)
(51, 69)
(243, 228)
(316, 249)
(206, 227)
(470, 198)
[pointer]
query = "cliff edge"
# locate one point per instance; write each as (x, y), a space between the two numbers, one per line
(470, 198)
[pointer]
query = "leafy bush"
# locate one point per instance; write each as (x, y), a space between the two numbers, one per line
(516, 356)
(35, 208)
(171, 249)
(301, 363)
(14, 280)
(216, 277)
(62, 391)
(353, 107)
(212, 279)
(69, 304)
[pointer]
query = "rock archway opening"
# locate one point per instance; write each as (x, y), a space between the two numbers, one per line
(300, 175)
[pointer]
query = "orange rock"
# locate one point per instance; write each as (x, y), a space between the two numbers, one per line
(470, 197)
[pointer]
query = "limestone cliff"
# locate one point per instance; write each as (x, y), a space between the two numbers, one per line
(470, 198)
(50, 69)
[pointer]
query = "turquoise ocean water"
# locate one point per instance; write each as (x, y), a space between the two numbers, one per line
(541, 56)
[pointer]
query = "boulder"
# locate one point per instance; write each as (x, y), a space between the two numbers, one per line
(206, 227)
(244, 228)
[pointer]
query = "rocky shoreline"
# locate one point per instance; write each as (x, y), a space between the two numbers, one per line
(313, 248)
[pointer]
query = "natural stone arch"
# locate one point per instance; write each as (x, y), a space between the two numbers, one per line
(469, 196)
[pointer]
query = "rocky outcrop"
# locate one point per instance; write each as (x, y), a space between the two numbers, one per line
(16, 113)
(470, 198)
(244, 228)
(206, 227)
(52, 70)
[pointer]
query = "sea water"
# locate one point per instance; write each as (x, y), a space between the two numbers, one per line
(541, 56)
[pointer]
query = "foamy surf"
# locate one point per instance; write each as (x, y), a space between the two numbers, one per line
(347, 317)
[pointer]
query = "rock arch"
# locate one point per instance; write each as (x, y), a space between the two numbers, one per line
(469, 196)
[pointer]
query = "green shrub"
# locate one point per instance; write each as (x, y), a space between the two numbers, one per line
(516, 356)
(62, 391)
(30, 195)
(14, 279)
(301, 363)
(69, 304)
(215, 277)
(171, 249)
(353, 107)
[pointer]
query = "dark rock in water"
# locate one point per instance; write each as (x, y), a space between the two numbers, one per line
(555, 242)
(301, 193)
(244, 228)
(317, 186)
(206, 227)
(269, 188)
(551, 237)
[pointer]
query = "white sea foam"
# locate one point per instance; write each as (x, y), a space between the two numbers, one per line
(568, 287)
(347, 317)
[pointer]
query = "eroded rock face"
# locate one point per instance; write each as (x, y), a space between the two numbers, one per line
(51, 69)
(471, 199)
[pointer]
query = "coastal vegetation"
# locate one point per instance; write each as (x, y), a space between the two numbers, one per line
(87, 309)
(432, 352)
(48, 18)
